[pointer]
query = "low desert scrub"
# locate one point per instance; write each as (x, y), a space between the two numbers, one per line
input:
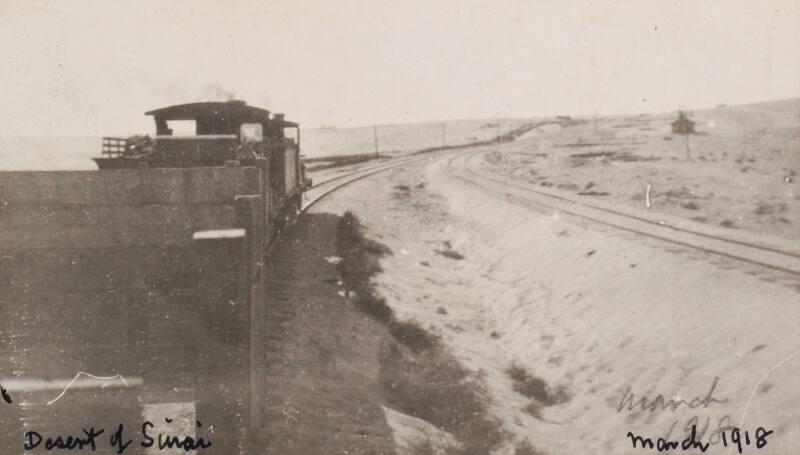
(423, 448)
(411, 334)
(418, 375)
(770, 209)
(493, 158)
(376, 308)
(683, 193)
(450, 254)
(360, 261)
(568, 186)
(525, 448)
(448, 251)
(535, 388)
(401, 192)
(432, 385)
(360, 256)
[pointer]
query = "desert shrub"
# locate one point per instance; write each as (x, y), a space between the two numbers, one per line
(769, 209)
(422, 448)
(450, 254)
(359, 263)
(412, 335)
(419, 377)
(435, 387)
(448, 251)
(536, 388)
(525, 448)
(375, 308)
(401, 192)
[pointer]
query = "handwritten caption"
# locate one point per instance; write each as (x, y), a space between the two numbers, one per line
(91, 439)
(737, 439)
(725, 433)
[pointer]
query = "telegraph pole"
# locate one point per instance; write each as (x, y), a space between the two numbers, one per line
(688, 151)
(375, 137)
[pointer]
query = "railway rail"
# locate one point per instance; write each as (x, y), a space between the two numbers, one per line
(324, 188)
(775, 254)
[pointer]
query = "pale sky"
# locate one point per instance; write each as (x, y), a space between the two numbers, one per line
(76, 68)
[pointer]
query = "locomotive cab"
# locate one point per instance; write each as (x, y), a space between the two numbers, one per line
(209, 134)
(201, 135)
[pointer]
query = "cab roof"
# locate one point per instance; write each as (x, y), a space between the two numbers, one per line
(234, 111)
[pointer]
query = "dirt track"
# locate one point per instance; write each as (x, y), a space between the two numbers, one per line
(557, 316)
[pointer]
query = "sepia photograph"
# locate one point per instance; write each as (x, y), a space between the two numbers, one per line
(373, 227)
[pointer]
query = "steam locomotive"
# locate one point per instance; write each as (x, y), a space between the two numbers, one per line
(212, 134)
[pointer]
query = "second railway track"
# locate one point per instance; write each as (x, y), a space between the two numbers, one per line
(776, 254)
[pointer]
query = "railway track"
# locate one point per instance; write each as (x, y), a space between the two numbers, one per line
(775, 254)
(322, 189)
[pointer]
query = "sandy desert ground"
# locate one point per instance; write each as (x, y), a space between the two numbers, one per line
(742, 170)
(418, 312)
(555, 319)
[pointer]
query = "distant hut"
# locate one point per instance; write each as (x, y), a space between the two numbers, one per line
(683, 125)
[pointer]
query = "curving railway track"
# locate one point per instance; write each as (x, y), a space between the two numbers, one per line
(466, 165)
(326, 187)
(772, 253)
(525, 307)
(322, 189)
